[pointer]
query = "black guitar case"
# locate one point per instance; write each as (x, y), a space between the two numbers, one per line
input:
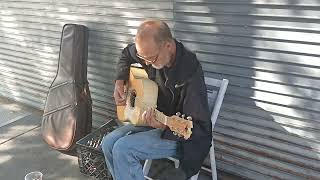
(68, 109)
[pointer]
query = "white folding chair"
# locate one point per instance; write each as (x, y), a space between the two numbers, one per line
(216, 90)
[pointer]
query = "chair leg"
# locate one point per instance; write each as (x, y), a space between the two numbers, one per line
(195, 177)
(146, 166)
(213, 163)
(176, 164)
(175, 161)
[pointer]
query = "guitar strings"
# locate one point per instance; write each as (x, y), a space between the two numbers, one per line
(144, 106)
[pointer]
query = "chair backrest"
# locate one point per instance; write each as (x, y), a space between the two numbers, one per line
(216, 90)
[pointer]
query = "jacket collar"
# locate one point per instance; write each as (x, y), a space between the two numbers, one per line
(184, 66)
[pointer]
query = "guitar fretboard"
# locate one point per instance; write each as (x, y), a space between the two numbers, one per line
(159, 115)
(182, 129)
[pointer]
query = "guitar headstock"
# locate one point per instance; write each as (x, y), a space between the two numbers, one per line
(181, 126)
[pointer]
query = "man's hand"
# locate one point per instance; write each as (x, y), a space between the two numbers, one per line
(149, 117)
(119, 93)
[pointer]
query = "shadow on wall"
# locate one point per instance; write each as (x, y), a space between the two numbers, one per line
(30, 38)
(107, 39)
(267, 127)
(269, 121)
(23, 56)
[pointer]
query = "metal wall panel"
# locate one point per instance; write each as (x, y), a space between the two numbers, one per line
(268, 127)
(30, 33)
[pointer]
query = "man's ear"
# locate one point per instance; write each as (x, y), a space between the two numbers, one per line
(168, 45)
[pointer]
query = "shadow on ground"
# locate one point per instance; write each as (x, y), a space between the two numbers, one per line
(28, 152)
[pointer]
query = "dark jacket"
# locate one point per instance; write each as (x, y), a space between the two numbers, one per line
(181, 89)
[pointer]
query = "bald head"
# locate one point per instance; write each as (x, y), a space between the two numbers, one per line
(156, 30)
(154, 44)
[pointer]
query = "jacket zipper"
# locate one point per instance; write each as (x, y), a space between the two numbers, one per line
(165, 84)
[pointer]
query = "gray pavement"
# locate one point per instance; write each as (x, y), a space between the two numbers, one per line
(28, 153)
(22, 149)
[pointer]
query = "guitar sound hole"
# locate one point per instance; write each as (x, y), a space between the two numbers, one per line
(133, 96)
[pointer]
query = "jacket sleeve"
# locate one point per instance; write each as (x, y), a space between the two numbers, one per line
(195, 104)
(123, 66)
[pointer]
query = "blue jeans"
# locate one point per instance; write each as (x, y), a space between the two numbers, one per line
(124, 147)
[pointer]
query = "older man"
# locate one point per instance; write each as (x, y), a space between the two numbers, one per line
(181, 85)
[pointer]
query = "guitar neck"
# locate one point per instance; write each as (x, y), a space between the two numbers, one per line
(179, 126)
(161, 117)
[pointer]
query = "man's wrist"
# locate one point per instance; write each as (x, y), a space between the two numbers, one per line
(163, 126)
(120, 82)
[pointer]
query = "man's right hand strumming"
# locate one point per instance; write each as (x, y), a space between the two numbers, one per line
(119, 93)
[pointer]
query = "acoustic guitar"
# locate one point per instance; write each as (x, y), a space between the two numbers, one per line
(142, 93)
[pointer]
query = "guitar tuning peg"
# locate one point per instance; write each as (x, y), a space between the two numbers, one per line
(174, 133)
(189, 118)
(183, 116)
(178, 113)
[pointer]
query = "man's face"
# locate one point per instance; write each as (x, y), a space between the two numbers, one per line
(152, 53)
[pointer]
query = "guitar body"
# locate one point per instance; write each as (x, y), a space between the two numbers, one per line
(141, 92)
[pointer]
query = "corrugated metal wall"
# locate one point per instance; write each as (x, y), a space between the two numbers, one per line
(30, 33)
(269, 50)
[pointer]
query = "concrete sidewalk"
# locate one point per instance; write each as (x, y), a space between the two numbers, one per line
(28, 153)
(22, 149)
